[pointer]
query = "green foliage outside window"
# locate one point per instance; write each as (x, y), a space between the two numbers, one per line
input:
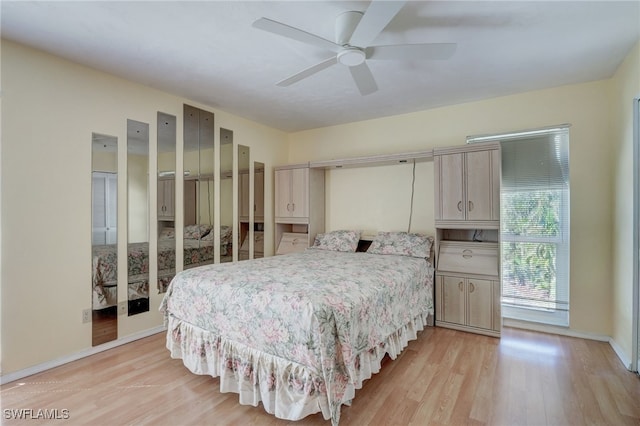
(532, 221)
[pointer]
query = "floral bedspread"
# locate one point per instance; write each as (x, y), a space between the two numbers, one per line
(298, 332)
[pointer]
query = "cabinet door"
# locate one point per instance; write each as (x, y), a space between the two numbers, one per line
(299, 192)
(283, 193)
(258, 196)
(480, 303)
(453, 290)
(483, 196)
(243, 195)
(190, 207)
(166, 191)
(452, 202)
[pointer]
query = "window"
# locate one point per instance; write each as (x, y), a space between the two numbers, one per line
(535, 225)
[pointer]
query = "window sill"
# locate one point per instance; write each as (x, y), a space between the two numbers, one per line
(540, 316)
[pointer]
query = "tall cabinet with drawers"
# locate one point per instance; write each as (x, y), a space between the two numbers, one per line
(299, 206)
(467, 219)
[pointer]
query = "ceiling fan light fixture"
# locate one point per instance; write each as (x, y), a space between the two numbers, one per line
(351, 56)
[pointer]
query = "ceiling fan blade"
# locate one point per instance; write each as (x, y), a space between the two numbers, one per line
(374, 20)
(294, 33)
(412, 52)
(308, 72)
(364, 79)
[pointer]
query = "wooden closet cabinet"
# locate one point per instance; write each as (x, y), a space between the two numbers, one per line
(299, 205)
(468, 303)
(292, 194)
(467, 216)
(467, 183)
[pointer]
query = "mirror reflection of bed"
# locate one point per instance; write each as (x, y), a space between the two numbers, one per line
(104, 208)
(211, 224)
(226, 195)
(166, 200)
(138, 217)
(250, 211)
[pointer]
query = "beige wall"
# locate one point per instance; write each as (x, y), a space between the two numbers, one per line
(382, 195)
(626, 87)
(50, 107)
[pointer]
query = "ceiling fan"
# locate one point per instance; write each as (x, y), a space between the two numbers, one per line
(354, 32)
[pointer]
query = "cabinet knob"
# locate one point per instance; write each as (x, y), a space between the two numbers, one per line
(459, 206)
(472, 287)
(467, 254)
(294, 207)
(461, 286)
(288, 209)
(470, 205)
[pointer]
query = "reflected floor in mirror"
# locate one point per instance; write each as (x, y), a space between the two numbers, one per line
(105, 325)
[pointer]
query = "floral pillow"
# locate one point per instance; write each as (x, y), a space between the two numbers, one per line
(337, 241)
(196, 231)
(402, 244)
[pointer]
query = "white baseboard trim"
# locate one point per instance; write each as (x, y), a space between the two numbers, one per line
(565, 331)
(626, 361)
(17, 375)
(553, 329)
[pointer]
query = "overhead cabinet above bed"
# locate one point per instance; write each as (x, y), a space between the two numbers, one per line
(467, 183)
(299, 206)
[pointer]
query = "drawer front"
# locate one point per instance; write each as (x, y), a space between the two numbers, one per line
(293, 242)
(469, 257)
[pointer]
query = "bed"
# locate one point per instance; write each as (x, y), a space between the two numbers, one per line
(301, 332)
(198, 250)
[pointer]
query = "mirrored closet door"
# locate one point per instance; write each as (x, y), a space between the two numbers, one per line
(258, 209)
(226, 195)
(104, 238)
(166, 201)
(199, 191)
(138, 217)
(245, 207)
(250, 206)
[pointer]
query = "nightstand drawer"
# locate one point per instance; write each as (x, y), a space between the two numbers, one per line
(469, 257)
(292, 242)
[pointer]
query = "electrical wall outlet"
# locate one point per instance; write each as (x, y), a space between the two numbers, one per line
(122, 308)
(86, 316)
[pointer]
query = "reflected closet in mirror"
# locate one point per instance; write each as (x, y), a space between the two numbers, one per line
(138, 217)
(226, 195)
(258, 210)
(245, 214)
(104, 244)
(166, 200)
(199, 193)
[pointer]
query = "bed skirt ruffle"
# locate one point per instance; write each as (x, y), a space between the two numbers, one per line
(288, 390)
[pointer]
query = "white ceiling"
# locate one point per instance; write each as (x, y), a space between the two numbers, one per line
(208, 51)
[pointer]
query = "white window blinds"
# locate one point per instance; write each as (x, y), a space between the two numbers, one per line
(535, 225)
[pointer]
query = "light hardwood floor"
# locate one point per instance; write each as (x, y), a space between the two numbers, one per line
(445, 377)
